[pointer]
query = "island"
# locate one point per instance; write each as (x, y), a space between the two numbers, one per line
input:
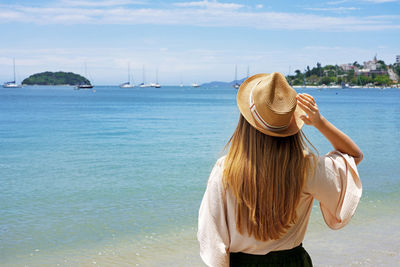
(55, 78)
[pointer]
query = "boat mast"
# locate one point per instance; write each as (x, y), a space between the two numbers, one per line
(157, 76)
(14, 69)
(143, 75)
(129, 73)
(85, 70)
(235, 74)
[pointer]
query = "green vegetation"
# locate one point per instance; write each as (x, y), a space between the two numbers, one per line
(55, 78)
(355, 74)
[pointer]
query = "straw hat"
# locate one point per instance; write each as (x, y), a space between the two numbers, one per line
(269, 104)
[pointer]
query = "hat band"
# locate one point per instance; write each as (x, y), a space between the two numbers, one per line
(256, 115)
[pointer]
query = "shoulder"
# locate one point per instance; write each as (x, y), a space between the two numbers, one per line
(336, 161)
(217, 171)
(328, 168)
(220, 162)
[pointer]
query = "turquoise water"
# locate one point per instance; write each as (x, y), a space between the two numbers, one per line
(114, 168)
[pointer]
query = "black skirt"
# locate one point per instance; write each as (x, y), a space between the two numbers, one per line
(297, 256)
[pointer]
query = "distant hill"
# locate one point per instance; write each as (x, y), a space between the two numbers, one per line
(55, 78)
(220, 84)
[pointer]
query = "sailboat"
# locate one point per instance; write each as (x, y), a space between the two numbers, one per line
(236, 85)
(143, 84)
(127, 84)
(181, 84)
(12, 84)
(84, 85)
(157, 85)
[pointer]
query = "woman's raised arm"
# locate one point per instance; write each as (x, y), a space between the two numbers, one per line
(339, 140)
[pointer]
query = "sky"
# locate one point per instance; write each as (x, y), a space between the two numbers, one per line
(191, 41)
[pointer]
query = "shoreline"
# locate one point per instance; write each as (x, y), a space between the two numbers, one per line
(370, 239)
(339, 87)
(228, 86)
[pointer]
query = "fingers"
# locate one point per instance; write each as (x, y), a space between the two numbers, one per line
(304, 107)
(307, 101)
(305, 119)
(309, 97)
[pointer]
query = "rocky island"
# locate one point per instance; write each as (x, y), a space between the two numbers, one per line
(55, 78)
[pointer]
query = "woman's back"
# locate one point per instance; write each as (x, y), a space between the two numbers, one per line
(337, 187)
(266, 175)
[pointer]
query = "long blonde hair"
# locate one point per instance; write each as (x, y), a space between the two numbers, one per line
(266, 175)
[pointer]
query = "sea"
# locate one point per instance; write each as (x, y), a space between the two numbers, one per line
(115, 177)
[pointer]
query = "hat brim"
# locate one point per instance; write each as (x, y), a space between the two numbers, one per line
(243, 102)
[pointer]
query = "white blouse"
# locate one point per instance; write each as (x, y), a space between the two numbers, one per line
(335, 184)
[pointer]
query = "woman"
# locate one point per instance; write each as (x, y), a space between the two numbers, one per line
(259, 196)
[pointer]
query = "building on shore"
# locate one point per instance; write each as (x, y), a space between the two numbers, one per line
(347, 67)
(369, 72)
(370, 68)
(398, 59)
(372, 64)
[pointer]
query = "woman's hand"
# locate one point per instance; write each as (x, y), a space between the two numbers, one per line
(307, 103)
(339, 140)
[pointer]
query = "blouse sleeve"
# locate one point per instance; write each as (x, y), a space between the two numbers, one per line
(337, 186)
(212, 233)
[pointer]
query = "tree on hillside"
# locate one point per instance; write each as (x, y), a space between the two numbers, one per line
(382, 80)
(364, 80)
(381, 65)
(319, 69)
(350, 76)
(355, 64)
(326, 80)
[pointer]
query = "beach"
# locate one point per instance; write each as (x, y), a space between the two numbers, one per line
(115, 177)
(366, 241)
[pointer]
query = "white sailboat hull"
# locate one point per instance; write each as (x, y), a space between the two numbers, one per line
(11, 85)
(84, 86)
(126, 85)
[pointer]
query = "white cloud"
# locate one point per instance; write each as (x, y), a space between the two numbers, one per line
(369, 1)
(195, 17)
(104, 3)
(11, 15)
(380, 1)
(321, 47)
(209, 4)
(337, 2)
(334, 9)
(259, 6)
